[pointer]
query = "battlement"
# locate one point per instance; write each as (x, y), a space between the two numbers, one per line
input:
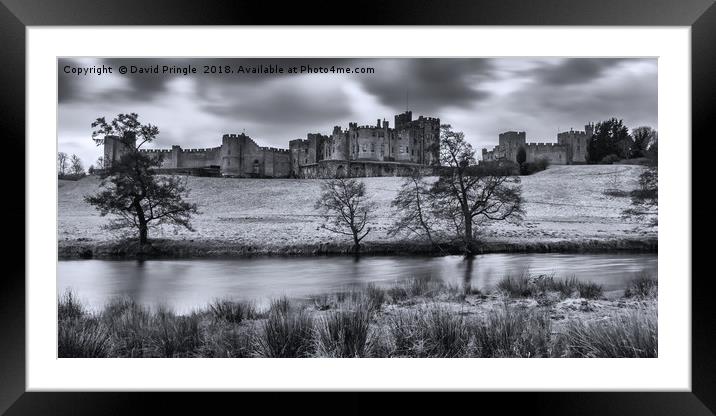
(431, 119)
(155, 150)
(200, 150)
(274, 149)
(543, 145)
(233, 135)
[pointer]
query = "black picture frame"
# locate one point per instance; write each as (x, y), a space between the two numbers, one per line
(16, 15)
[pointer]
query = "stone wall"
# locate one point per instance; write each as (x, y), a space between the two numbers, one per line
(349, 168)
(556, 154)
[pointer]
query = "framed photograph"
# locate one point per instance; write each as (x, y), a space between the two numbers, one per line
(460, 199)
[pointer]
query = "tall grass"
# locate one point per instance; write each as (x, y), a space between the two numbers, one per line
(643, 287)
(434, 331)
(526, 286)
(69, 307)
(174, 336)
(421, 318)
(513, 332)
(629, 334)
(85, 338)
(343, 333)
(231, 311)
(287, 332)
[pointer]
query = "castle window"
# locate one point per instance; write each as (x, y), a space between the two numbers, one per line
(364, 149)
(372, 148)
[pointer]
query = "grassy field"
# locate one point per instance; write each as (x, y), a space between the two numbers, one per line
(563, 203)
(524, 317)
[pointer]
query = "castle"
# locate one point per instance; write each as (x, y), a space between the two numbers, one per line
(377, 150)
(357, 151)
(571, 147)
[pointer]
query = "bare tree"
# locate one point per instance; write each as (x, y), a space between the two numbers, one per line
(76, 167)
(469, 192)
(62, 160)
(414, 208)
(346, 208)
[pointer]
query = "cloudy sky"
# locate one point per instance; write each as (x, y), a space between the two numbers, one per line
(481, 97)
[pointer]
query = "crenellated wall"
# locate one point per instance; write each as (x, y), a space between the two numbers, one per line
(571, 147)
(411, 141)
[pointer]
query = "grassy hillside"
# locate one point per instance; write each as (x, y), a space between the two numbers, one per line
(563, 203)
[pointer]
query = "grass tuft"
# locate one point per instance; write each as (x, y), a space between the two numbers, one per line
(343, 333)
(231, 311)
(287, 332)
(82, 338)
(513, 332)
(630, 334)
(643, 287)
(532, 287)
(69, 307)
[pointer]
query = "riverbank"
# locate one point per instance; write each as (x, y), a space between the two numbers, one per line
(213, 248)
(526, 316)
(567, 210)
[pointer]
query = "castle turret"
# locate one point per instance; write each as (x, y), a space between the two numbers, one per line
(115, 147)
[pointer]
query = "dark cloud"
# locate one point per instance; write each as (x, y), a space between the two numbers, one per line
(574, 70)
(280, 105)
(429, 84)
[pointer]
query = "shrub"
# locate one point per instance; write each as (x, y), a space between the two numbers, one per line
(609, 159)
(343, 333)
(285, 333)
(643, 286)
(533, 167)
(630, 334)
(82, 338)
(513, 332)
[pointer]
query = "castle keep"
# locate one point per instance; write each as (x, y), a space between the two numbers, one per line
(571, 147)
(357, 151)
(377, 150)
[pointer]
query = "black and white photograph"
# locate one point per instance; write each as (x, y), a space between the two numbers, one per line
(478, 207)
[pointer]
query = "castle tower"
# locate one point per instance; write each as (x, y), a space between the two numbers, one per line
(231, 154)
(115, 148)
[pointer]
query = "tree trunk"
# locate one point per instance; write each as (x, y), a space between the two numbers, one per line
(142, 234)
(468, 235)
(356, 243)
(143, 228)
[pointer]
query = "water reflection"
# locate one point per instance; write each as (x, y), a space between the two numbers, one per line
(187, 284)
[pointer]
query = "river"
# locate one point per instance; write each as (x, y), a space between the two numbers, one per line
(184, 285)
